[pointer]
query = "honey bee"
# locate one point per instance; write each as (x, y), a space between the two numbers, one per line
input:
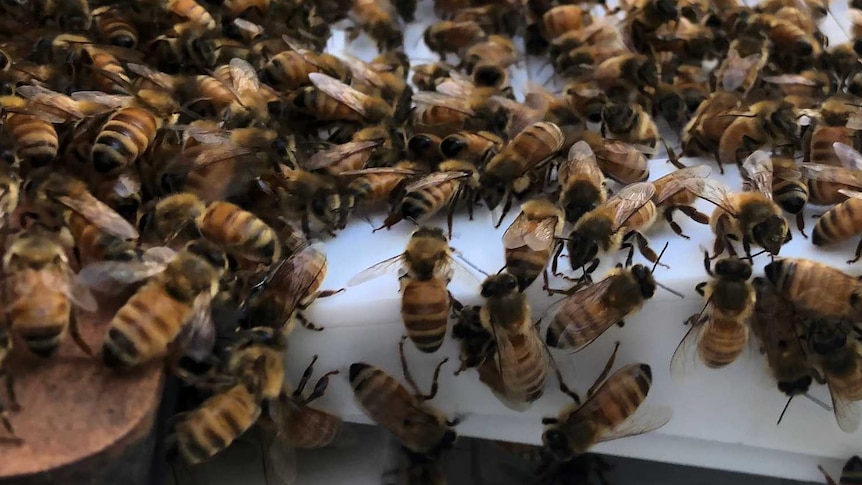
(420, 428)
(750, 216)
(73, 15)
(379, 19)
(629, 123)
(427, 267)
(805, 282)
(193, 11)
(612, 411)
(825, 182)
(93, 244)
(620, 161)
(52, 191)
(672, 194)
(719, 333)
(775, 323)
(113, 28)
(426, 77)
(582, 184)
(742, 67)
(487, 59)
(507, 174)
(305, 426)
(766, 123)
(830, 127)
(40, 289)
(838, 358)
(447, 36)
(849, 474)
(454, 181)
(562, 19)
(10, 191)
(626, 72)
(529, 240)
(517, 372)
(586, 314)
(376, 185)
(289, 69)
(609, 227)
(803, 90)
(587, 99)
(332, 100)
(702, 134)
(281, 293)
(314, 198)
(839, 223)
(177, 297)
(476, 343)
(789, 189)
(35, 138)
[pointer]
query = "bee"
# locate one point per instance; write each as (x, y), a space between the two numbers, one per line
(830, 127)
(305, 426)
(454, 181)
(40, 290)
(72, 15)
(10, 191)
(562, 19)
(672, 194)
(332, 100)
(789, 189)
(487, 59)
(618, 160)
(582, 184)
(750, 216)
(529, 240)
(825, 182)
(426, 77)
(443, 114)
(476, 343)
(804, 90)
(586, 99)
(193, 11)
(626, 72)
(765, 123)
(376, 185)
(93, 244)
(447, 36)
(629, 123)
(720, 331)
(49, 192)
(420, 428)
(589, 312)
(314, 198)
(702, 134)
(113, 28)
(517, 371)
(840, 223)
(379, 19)
(507, 173)
(849, 474)
(289, 69)
(280, 294)
(427, 267)
(612, 411)
(35, 138)
(840, 361)
(425, 148)
(816, 287)
(609, 227)
(347, 157)
(173, 301)
(775, 323)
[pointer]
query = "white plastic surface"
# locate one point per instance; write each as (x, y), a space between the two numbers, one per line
(722, 418)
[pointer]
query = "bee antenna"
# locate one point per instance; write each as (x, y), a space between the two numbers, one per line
(468, 263)
(818, 402)
(655, 265)
(752, 256)
(669, 290)
(784, 410)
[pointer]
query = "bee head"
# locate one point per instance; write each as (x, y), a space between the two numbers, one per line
(582, 249)
(771, 234)
(645, 280)
(499, 284)
(733, 268)
(557, 444)
(799, 386)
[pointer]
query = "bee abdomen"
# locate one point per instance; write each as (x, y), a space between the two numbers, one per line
(839, 223)
(625, 396)
(234, 228)
(723, 343)
(212, 427)
(427, 202)
(36, 138)
(125, 135)
(425, 311)
(526, 265)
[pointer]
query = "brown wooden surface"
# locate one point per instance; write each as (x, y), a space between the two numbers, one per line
(76, 414)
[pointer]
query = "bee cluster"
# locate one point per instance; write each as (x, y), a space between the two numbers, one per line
(182, 159)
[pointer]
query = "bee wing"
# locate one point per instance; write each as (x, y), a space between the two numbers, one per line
(679, 180)
(757, 173)
(580, 160)
(439, 99)
(203, 135)
(711, 191)
(515, 235)
(435, 178)
(583, 330)
(456, 85)
(629, 200)
(326, 158)
(373, 170)
(847, 412)
(849, 156)
(98, 97)
(685, 354)
(279, 458)
(784, 172)
(831, 173)
(850, 193)
(644, 420)
(537, 235)
(376, 270)
(112, 277)
(71, 286)
(243, 76)
(99, 214)
(736, 69)
(361, 70)
(50, 105)
(199, 332)
(791, 79)
(339, 91)
(624, 152)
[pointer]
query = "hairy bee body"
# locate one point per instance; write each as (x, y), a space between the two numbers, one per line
(124, 137)
(821, 139)
(801, 281)
(93, 244)
(114, 29)
(35, 138)
(373, 188)
(839, 223)
(239, 231)
(425, 311)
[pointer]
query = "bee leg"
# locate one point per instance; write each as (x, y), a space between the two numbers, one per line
(608, 366)
(306, 375)
(328, 293)
(320, 387)
(558, 249)
(306, 323)
(645, 250)
(506, 207)
(699, 288)
(746, 246)
(693, 214)
(800, 224)
(858, 253)
(15, 406)
(718, 161)
(707, 263)
(668, 216)
(76, 334)
(671, 156)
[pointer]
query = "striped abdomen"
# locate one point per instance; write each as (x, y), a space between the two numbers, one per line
(822, 138)
(114, 29)
(534, 145)
(143, 328)
(108, 63)
(523, 364)
(40, 314)
(791, 195)
(800, 280)
(239, 231)
(839, 223)
(374, 188)
(826, 193)
(214, 91)
(287, 70)
(851, 474)
(425, 311)
(426, 202)
(213, 426)
(311, 428)
(642, 219)
(92, 244)
(722, 341)
(126, 134)
(36, 139)
(526, 264)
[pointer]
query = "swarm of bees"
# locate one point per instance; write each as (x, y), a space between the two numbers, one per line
(187, 160)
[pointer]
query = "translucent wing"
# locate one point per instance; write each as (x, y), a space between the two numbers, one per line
(758, 173)
(674, 182)
(334, 155)
(577, 332)
(243, 76)
(685, 354)
(640, 373)
(629, 200)
(361, 70)
(50, 105)
(788, 173)
(377, 270)
(98, 97)
(615, 152)
(736, 69)
(373, 170)
(644, 420)
(203, 135)
(438, 99)
(847, 413)
(712, 191)
(849, 156)
(580, 161)
(850, 193)
(279, 458)
(538, 235)
(435, 178)
(339, 91)
(112, 277)
(791, 79)
(831, 173)
(100, 214)
(78, 293)
(199, 333)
